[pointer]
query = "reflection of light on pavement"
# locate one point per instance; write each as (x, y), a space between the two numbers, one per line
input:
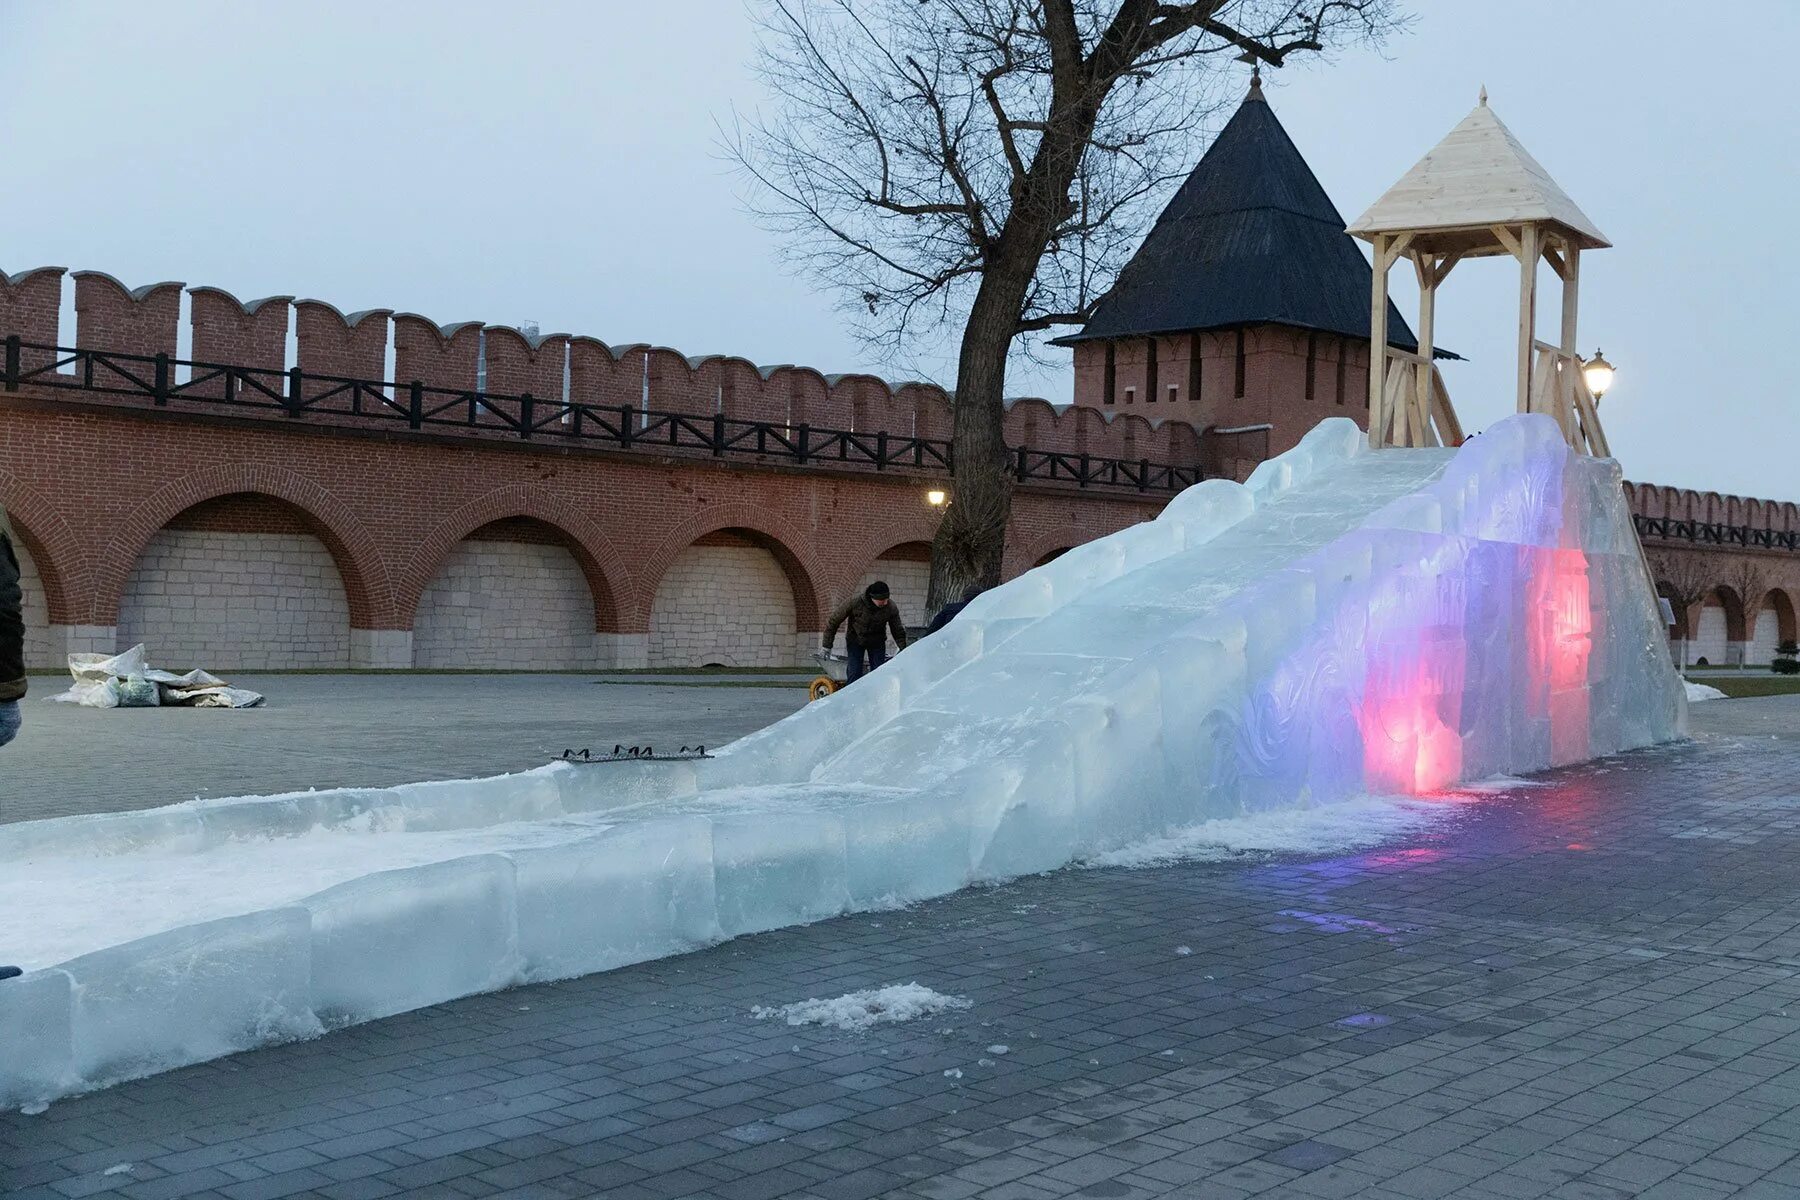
(1392, 860)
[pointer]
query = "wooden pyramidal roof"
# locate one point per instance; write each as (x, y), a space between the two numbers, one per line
(1479, 176)
(1249, 239)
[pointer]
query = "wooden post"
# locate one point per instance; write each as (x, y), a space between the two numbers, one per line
(1428, 279)
(1378, 343)
(1528, 262)
(1571, 297)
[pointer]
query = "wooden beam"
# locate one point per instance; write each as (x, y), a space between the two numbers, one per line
(1450, 260)
(1513, 245)
(1421, 389)
(1449, 427)
(1528, 259)
(1571, 299)
(1378, 305)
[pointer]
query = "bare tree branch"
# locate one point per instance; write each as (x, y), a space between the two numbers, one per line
(982, 169)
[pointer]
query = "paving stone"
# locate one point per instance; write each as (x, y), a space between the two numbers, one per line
(1618, 1019)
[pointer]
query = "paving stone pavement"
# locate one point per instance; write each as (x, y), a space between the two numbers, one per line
(354, 731)
(1584, 989)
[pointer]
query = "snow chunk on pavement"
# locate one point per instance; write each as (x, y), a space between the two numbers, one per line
(1348, 825)
(1700, 691)
(866, 1009)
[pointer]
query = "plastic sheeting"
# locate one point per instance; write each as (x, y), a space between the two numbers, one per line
(128, 681)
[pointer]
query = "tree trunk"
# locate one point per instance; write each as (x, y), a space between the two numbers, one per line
(971, 539)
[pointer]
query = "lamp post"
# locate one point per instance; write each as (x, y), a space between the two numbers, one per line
(1598, 373)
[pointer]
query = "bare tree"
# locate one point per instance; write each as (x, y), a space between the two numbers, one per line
(1688, 579)
(983, 168)
(1747, 578)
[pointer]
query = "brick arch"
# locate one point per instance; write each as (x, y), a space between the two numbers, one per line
(604, 568)
(1735, 612)
(922, 528)
(1023, 556)
(361, 569)
(53, 546)
(771, 532)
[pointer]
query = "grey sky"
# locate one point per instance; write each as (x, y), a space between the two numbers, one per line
(556, 162)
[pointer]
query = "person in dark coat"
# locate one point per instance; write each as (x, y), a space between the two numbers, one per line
(871, 616)
(12, 652)
(948, 613)
(12, 637)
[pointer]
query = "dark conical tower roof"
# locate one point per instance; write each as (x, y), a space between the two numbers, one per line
(1249, 239)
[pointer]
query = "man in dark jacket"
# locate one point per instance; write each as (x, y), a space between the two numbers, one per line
(871, 615)
(948, 613)
(12, 637)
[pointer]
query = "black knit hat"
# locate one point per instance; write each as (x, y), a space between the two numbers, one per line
(876, 591)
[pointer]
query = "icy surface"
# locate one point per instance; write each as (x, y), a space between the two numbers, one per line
(1701, 691)
(1274, 666)
(866, 1009)
(1349, 825)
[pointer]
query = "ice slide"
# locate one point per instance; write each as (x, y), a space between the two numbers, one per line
(1349, 621)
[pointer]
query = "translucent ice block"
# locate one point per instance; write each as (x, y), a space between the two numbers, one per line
(772, 869)
(37, 1058)
(912, 848)
(191, 994)
(399, 940)
(635, 892)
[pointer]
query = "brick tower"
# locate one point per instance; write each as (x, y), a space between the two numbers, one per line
(1246, 305)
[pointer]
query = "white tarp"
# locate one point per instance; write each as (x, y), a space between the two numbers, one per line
(128, 681)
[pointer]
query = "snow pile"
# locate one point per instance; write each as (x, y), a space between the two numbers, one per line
(1241, 673)
(1701, 691)
(1349, 825)
(858, 1011)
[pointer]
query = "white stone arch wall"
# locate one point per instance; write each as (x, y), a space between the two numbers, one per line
(1764, 638)
(234, 584)
(907, 572)
(510, 596)
(40, 647)
(1710, 638)
(724, 600)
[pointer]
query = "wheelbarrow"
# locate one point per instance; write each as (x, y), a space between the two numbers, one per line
(834, 671)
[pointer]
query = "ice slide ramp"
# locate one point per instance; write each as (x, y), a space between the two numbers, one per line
(1348, 621)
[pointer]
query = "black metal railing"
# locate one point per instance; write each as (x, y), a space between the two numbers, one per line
(332, 400)
(1708, 533)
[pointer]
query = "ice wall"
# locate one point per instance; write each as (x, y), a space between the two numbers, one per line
(1346, 622)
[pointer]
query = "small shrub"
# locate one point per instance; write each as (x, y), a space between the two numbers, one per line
(1701, 662)
(1785, 666)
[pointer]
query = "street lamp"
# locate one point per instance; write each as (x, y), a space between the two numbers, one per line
(1598, 373)
(937, 497)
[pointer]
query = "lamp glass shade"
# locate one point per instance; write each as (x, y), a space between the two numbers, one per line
(935, 498)
(1598, 373)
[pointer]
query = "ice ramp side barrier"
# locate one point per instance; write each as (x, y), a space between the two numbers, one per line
(1347, 621)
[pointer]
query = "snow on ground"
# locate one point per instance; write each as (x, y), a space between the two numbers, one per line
(1349, 825)
(1700, 691)
(866, 1009)
(51, 917)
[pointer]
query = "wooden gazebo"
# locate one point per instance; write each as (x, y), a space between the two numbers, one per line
(1477, 193)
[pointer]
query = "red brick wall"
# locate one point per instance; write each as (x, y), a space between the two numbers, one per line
(108, 316)
(29, 302)
(1271, 387)
(391, 507)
